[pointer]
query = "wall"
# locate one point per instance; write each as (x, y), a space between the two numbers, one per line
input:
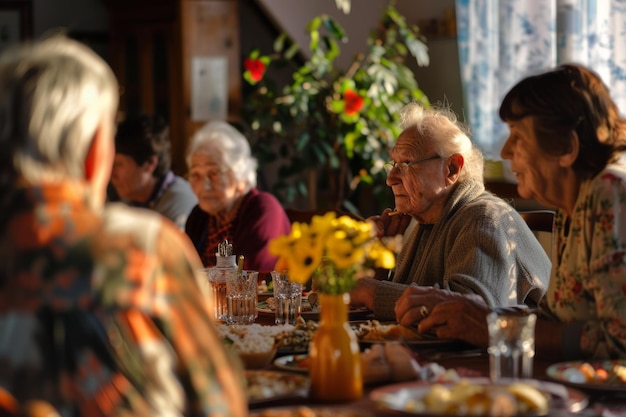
(85, 20)
(440, 80)
(75, 15)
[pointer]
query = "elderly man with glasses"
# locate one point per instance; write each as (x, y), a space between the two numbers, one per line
(465, 240)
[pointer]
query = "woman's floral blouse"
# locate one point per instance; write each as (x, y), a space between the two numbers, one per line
(588, 282)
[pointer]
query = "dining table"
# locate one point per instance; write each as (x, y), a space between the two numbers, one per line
(467, 361)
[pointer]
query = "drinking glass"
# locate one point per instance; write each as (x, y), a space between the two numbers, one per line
(511, 345)
(241, 296)
(217, 285)
(288, 298)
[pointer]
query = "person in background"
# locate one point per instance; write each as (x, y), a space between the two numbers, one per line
(142, 175)
(101, 312)
(566, 146)
(465, 240)
(223, 175)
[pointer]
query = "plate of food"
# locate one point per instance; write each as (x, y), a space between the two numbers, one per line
(609, 375)
(298, 338)
(374, 331)
(268, 386)
(293, 363)
(479, 397)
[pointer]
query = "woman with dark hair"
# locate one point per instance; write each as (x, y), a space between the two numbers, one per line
(566, 146)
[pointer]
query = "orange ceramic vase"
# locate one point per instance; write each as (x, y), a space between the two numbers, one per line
(335, 358)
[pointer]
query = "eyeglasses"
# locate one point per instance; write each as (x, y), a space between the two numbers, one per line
(213, 176)
(403, 167)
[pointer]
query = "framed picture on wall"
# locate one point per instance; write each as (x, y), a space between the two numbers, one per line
(16, 19)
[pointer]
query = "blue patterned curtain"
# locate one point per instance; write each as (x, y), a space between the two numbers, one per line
(502, 41)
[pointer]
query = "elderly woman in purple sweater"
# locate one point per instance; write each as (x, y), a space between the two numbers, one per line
(222, 174)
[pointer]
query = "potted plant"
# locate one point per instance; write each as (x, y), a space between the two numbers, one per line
(330, 128)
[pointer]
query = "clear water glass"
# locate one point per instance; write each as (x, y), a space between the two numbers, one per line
(511, 345)
(241, 297)
(287, 297)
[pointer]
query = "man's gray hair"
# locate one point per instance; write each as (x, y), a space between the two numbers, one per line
(229, 147)
(449, 136)
(54, 95)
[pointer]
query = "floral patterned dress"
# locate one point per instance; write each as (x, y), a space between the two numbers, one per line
(588, 281)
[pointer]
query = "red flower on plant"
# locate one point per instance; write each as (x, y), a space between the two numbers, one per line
(256, 68)
(353, 102)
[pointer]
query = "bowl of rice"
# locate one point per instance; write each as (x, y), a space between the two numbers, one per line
(254, 343)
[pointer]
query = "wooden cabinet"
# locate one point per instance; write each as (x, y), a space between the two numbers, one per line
(154, 44)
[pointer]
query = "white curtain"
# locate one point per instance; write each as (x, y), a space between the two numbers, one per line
(502, 41)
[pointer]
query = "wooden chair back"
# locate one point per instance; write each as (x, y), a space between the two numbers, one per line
(538, 220)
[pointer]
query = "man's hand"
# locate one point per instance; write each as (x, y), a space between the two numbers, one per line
(364, 292)
(463, 318)
(393, 225)
(418, 301)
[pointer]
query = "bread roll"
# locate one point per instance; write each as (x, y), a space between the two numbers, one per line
(403, 366)
(529, 398)
(374, 365)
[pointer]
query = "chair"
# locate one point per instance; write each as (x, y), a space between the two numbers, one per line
(538, 220)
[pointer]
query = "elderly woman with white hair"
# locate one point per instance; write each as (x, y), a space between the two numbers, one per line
(465, 240)
(223, 175)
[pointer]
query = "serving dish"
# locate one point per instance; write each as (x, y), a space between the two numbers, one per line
(402, 397)
(389, 332)
(293, 363)
(268, 386)
(580, 374)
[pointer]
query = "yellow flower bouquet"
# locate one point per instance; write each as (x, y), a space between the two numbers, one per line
(334, 251)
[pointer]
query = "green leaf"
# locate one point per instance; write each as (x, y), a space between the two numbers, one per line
(302, 188)
(303, 140)
(347, 84)
(314, 24)
(279, 42)
(248, 77)
(401, 48)
(332, 49)
(315, 40)
(318, 151)
(349, 119)
(335, 29)
(291, 51)
(337, 106)
(350, 138)
(419, 50)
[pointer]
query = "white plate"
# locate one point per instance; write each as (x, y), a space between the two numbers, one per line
(268, 386)
(567, 373)
(290, 363)
(427, 341)
(395, 397)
